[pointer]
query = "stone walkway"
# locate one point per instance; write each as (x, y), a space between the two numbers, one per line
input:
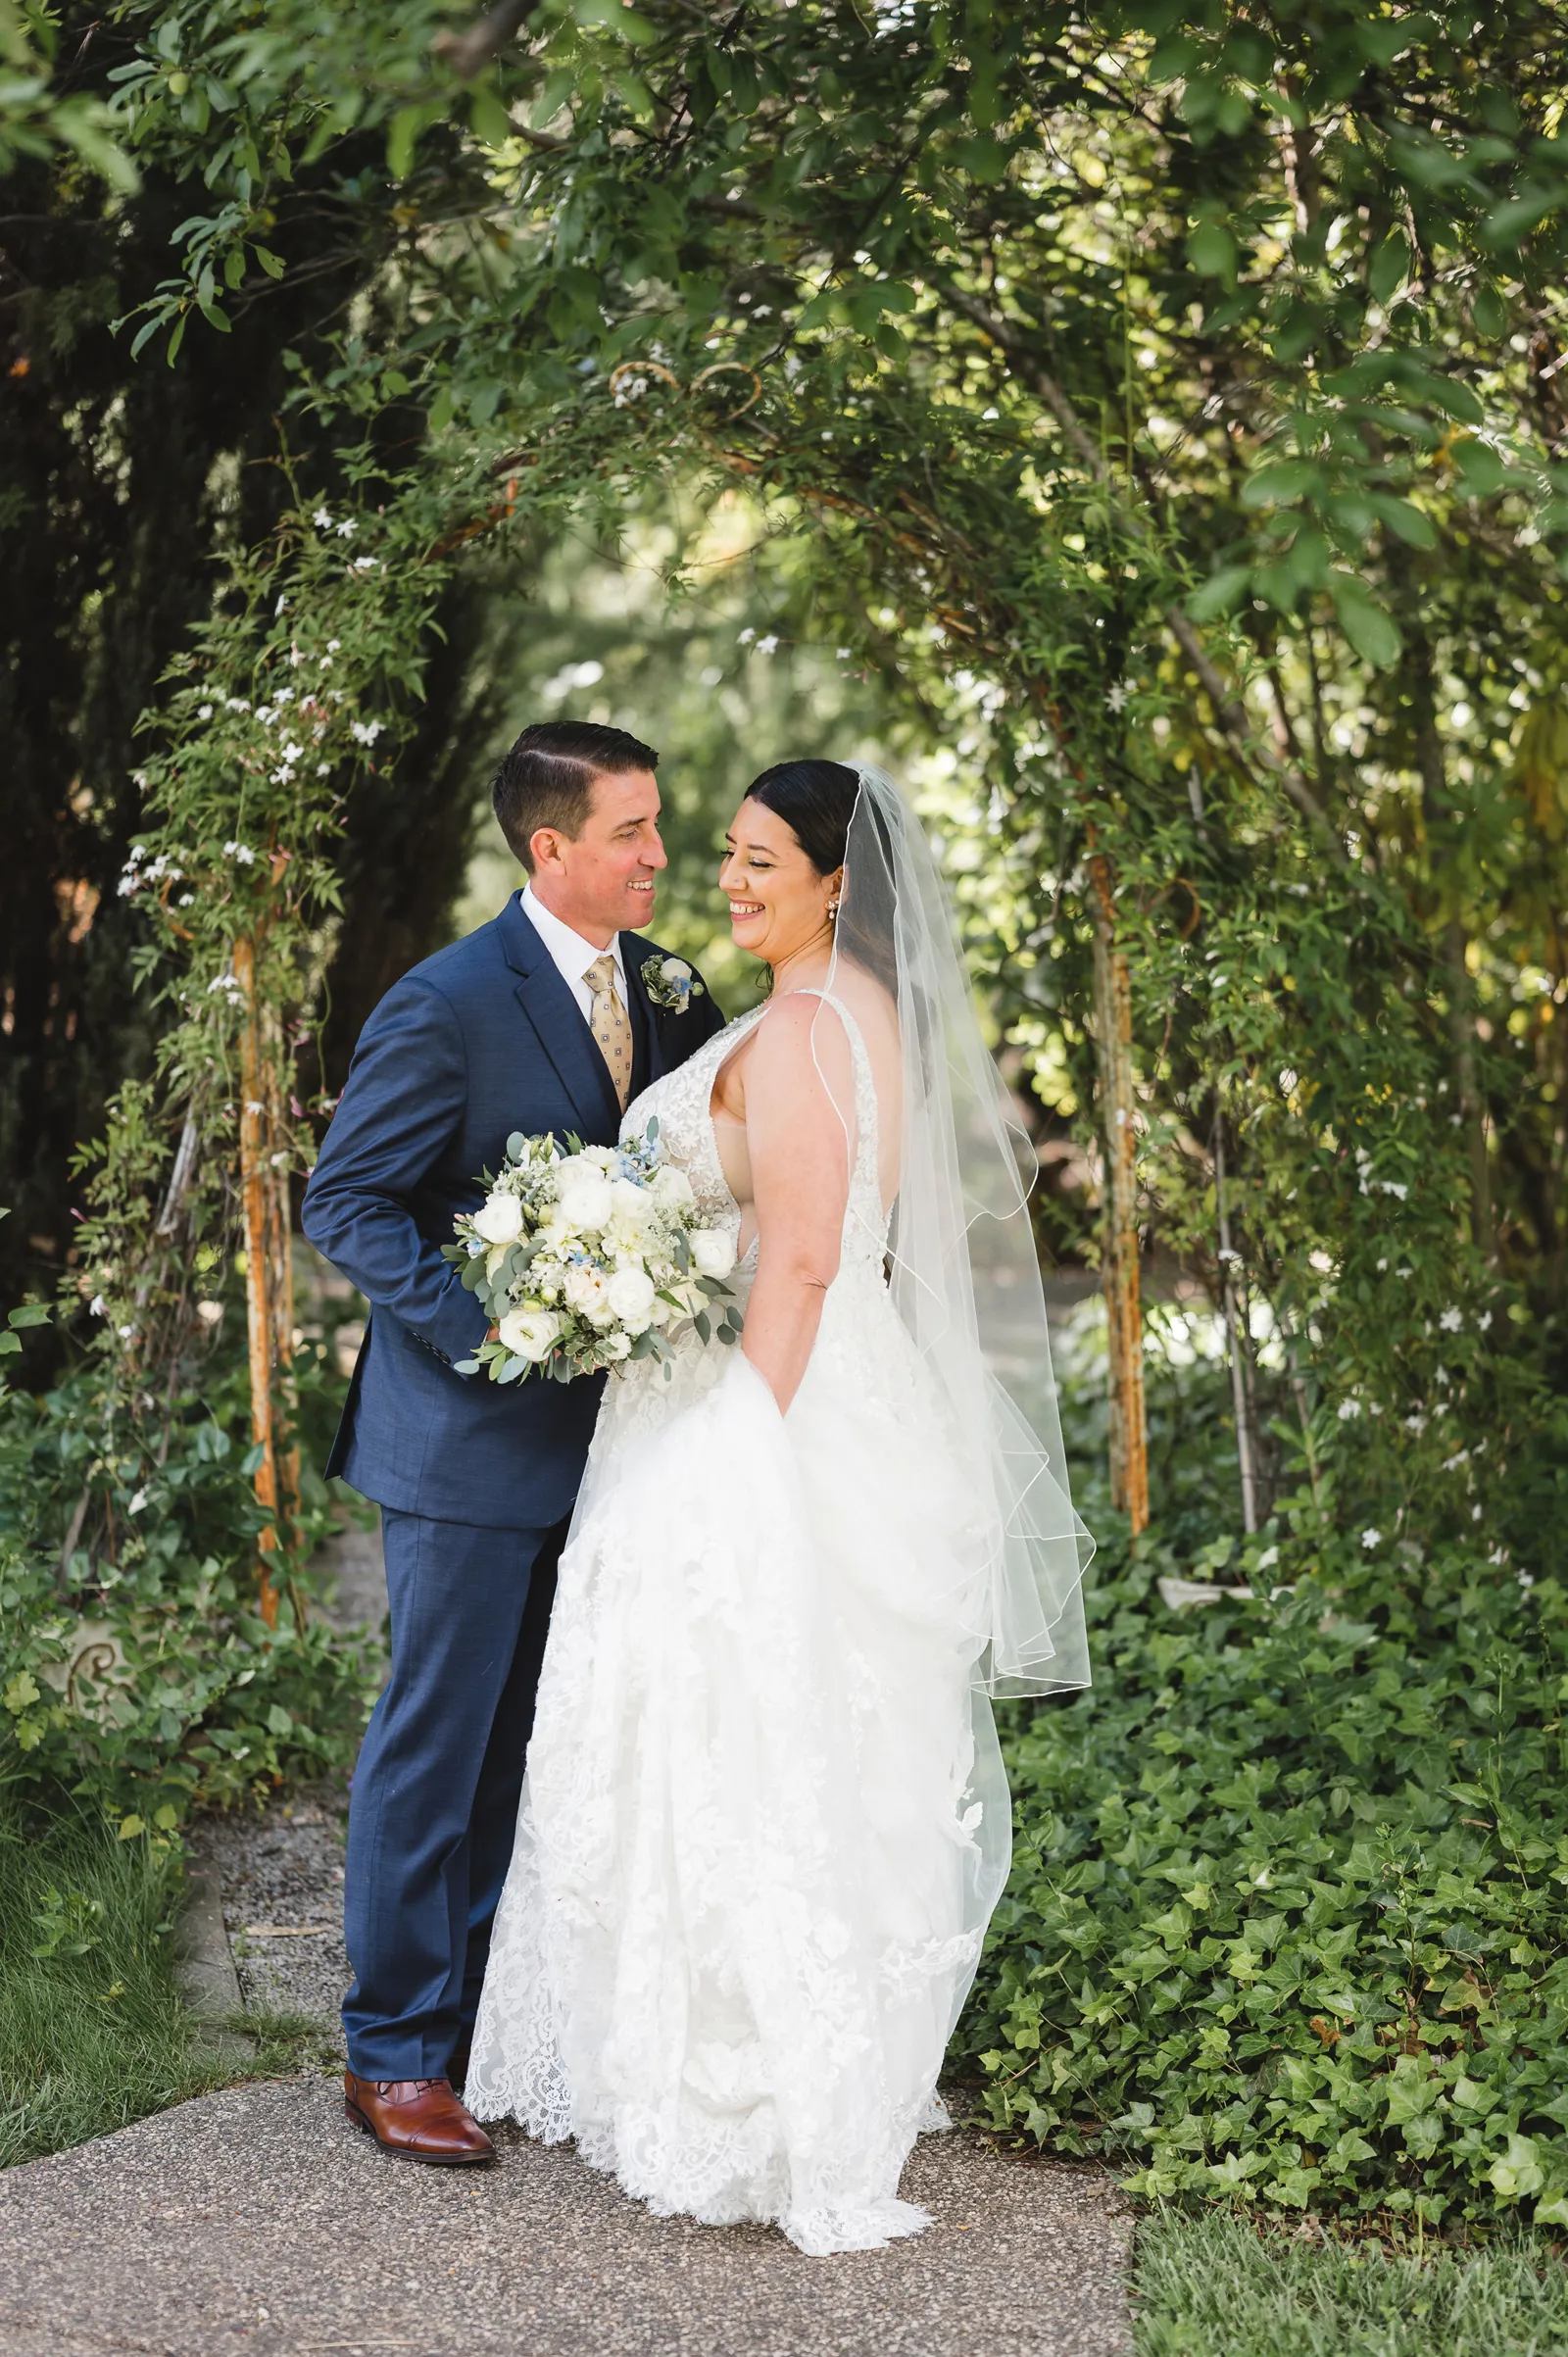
(257, 2220)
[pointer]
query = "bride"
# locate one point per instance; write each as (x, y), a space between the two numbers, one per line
(765, 1820)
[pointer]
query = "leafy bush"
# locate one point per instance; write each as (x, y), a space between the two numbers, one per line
(1288, 1916)
(134, 1667)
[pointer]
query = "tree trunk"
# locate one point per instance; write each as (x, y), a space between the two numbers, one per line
(1113, 1037)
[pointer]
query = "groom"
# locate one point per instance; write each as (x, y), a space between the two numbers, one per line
(542, 1020)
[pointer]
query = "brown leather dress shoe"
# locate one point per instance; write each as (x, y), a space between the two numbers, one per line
(417, 2119)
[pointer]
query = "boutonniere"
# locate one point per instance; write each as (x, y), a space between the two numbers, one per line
(670, 983)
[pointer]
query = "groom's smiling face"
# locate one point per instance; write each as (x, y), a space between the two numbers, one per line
(601, 880)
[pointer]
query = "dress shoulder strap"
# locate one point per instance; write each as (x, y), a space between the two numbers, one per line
(865, 1102)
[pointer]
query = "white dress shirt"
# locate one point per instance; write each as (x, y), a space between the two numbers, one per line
(571, 954)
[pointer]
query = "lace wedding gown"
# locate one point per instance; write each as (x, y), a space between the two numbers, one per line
(765, 1820)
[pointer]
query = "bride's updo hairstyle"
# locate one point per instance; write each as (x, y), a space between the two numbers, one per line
(816, 801)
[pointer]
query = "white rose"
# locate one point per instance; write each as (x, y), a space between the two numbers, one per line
(671, 1187)
(583, 1194)
(632, 1298)
(530, 1333)
(713, 1252)
(499, 1218)
(588, 1294)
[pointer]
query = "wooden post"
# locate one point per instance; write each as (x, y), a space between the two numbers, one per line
(1113, 1039)
(1237, 1340)
(261, 1319)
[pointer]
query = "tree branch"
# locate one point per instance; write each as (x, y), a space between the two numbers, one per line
(468, 53)
(1230, 713)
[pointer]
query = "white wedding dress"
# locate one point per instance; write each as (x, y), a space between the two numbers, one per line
(765, 1820)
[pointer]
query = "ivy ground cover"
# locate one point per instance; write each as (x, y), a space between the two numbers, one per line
(1287, 1920)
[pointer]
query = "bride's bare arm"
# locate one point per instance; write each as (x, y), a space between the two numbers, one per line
(800, 1156)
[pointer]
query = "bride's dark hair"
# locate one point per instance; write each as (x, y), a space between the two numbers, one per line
(816, 801)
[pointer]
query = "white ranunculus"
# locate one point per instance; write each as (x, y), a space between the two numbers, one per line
(499, 1218)
(632, 1297)
(630, 1203)
(588, 1294)
(671, 1187)
(530, 1333)
(713, 1252)
(583, 1194)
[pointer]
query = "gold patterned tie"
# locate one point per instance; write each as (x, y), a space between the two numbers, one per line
(611, 1025)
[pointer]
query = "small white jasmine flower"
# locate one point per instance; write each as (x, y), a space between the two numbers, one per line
(321, 520)
(1371, 1538)
(745, 637)
(347, 528)
(1475, 1514)
(1349, 1410)
(1382, 1265)
(367, 565)
(842, 653)
(1483, 1320)
(1115, 697)
(768, 645)
(237, 703)
(1451, 1320)
(332, 645)
(203, 712)
(1525, 1579)
(97, 1307)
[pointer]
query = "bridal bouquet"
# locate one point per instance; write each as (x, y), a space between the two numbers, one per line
(588, 1256)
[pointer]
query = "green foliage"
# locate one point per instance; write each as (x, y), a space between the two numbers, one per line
(1288, 1919)
(1213, 2288)
(34, 119)
(136, 1671)
(93, 2034)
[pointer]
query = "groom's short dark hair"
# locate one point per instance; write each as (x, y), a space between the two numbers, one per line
(547, 778)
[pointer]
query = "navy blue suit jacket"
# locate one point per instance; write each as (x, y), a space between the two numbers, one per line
(482, 1039)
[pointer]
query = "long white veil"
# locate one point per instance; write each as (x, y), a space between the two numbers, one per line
(964, 1270)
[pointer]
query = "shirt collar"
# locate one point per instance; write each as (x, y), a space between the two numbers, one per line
(567, 948)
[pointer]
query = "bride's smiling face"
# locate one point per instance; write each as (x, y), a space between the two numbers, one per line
(778, 903)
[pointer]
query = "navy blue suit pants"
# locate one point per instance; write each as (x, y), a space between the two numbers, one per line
(433, 1811)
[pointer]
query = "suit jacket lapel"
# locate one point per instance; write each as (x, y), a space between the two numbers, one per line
(556, 1016)
(648, 1042)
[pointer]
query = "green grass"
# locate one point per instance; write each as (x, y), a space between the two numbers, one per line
(92, 2031)
(1215, 2286)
